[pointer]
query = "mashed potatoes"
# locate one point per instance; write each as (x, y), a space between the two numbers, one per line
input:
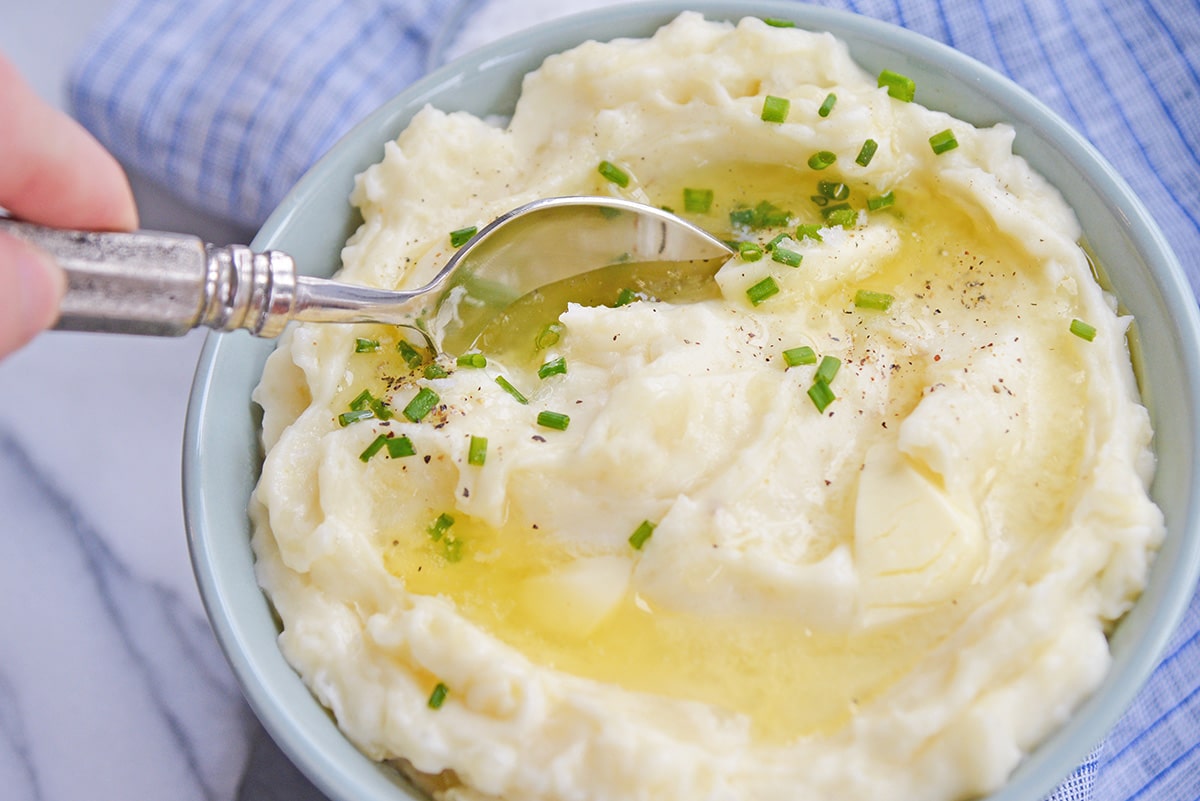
(854, 527)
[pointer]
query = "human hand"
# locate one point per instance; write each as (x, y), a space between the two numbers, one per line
(54, 173)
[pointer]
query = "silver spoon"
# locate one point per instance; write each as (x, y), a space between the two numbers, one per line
(166, 284)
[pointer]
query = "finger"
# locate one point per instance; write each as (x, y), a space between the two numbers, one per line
(33, 287)
(53, 171)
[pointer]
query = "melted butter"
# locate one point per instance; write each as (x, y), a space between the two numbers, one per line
(789, 680)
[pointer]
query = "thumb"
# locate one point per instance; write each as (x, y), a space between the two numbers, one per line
(31, 286)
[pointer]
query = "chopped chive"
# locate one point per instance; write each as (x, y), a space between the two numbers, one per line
(898, 86)
(789, 257)
(439, 527)
(866, 299)
(399, 447)
(776, 22)
(827, 369)
(613, 173)
(625, 297)
(438, 696)
(749, 251)
(375, 447)
(941, 142)
(421, 405)
(472, 360)
(741, 217)
(882, 201)
(362, 401)
(821, 395)
(477, 450)
(762, 290)
(834, 209)
(462, 236)
(775, 240)
(362, 345)
(827, 105)
(511, 390)
(548, 336)
(775, 109)
(697, 201)
(866, 152)
(353, 416)
(640, 534)
(1082, 330)
(820, 200)
(821, 159)
(553, 367)
(768, 215)
(809, 231)
(834, 190)
(555, 420)
(412, 357)
(435, 370)
(843, 217)
(798, 356)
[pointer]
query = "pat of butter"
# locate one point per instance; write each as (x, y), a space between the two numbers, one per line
(574, 600)
(914, 546)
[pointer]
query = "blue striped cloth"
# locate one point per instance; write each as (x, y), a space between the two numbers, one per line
(227, 102)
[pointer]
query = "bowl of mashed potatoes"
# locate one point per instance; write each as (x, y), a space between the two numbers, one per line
(900, 508)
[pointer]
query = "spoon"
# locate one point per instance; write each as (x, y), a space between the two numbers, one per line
(165, 284)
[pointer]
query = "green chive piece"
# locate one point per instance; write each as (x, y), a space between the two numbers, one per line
(843, 217)
(866, 153)
(472, 360)
(827, 105)
(555, 420)
(898, 86)
(768, 215)
(821, 395)
(866, 299)
(462, 236)
(827, 369)
(440, 526)
(435, 370)
(640, 534)
(798, 356)
(941, 142)
(749, 251)
(821, 159)
(375, 447)
(421, 405)
(511, 390)
(881, 202)
(362, 401)
(353, 416)
(1082, 330)
(477, 450)
(762, 290)
(399, 447)
(613, 173)
(775, 109)
(809, 231)
(548, 336)
(362, 345)
(834, 190)
(741, 217)
(625, 297)
(412, 357)
(789, 257)
(553, 367)
(697, 201)
(776, 22)
(438, 696)
(819, 200)
(775, 240)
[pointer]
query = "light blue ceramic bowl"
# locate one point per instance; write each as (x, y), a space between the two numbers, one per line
(221, 457)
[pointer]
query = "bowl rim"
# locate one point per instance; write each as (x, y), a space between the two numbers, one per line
(1041, 770)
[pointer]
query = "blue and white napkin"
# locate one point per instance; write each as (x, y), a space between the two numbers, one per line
(227, 102)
